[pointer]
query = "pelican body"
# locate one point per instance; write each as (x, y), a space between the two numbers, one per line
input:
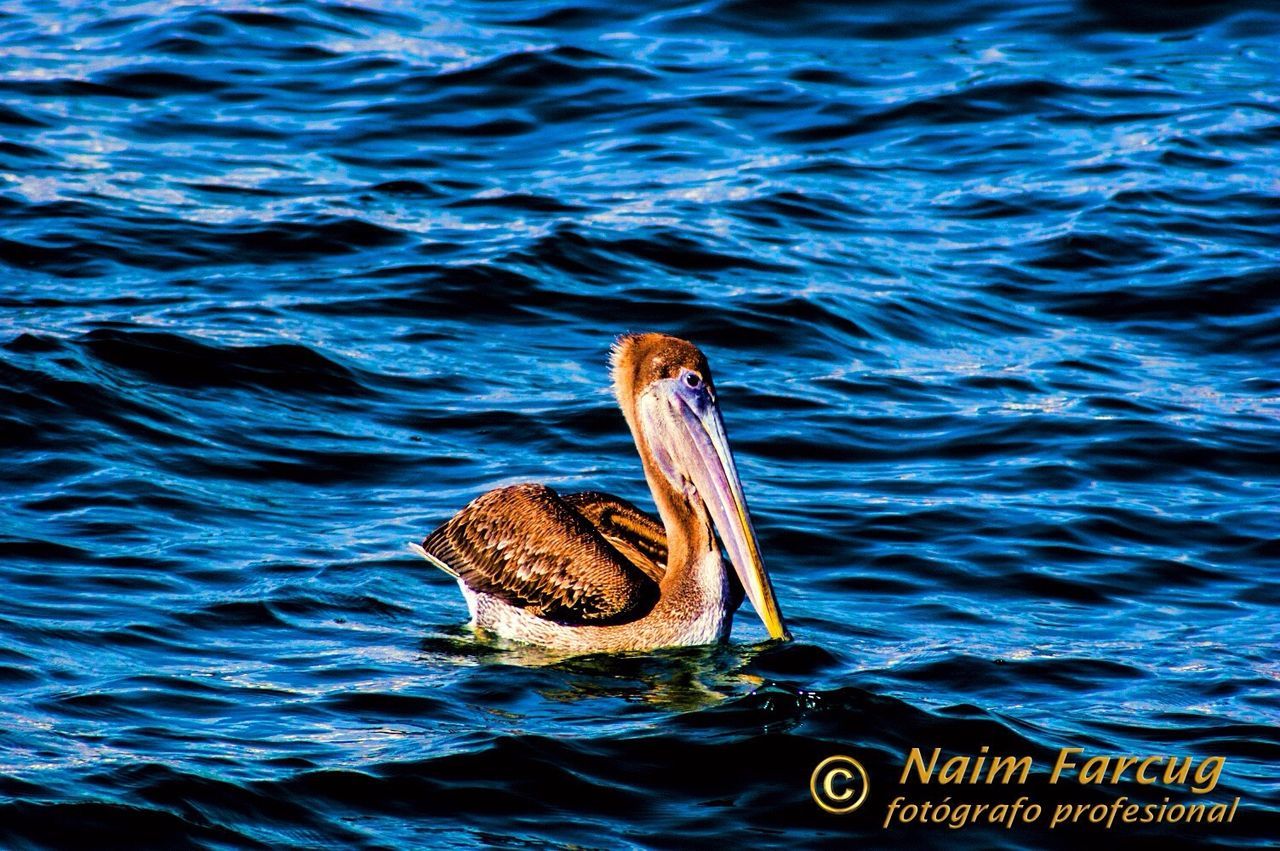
(589, 572)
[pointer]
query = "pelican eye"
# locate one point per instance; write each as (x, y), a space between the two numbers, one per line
(693, 380)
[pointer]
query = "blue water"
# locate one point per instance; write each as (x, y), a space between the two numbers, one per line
(992, 294)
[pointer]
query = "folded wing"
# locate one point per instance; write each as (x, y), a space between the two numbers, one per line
(636, 535)
(532, 549)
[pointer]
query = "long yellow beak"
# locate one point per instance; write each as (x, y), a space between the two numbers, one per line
(728, 507)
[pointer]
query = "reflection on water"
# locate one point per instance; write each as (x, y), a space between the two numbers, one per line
(677, 680)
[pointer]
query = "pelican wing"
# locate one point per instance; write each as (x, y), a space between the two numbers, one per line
(636, 535)
(528, 547)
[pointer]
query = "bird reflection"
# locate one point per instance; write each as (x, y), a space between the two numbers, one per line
(676, 679)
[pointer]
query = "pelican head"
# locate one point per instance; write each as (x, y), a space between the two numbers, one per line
(666, 392)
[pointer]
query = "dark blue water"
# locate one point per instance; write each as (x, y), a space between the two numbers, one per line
(992, 293)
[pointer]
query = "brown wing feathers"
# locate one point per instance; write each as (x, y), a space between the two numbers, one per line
(525, 545)
(637, 536)
(634, 534)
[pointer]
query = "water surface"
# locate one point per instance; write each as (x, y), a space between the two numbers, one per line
(991, 290)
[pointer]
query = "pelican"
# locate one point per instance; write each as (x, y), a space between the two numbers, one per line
(589, 572)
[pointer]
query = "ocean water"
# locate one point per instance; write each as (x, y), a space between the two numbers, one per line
(992, 294)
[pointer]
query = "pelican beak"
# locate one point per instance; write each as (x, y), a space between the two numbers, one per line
(687, 435)
(683, 429)
(722, 492)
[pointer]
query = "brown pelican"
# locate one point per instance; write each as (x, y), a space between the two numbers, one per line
(589, 572)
